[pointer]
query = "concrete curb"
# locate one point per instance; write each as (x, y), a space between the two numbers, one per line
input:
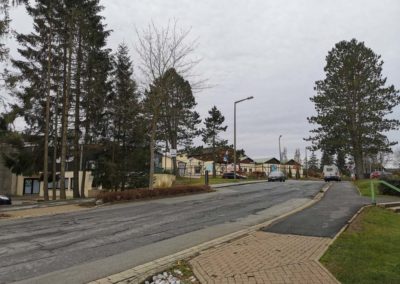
(139, 273)
(220, 185)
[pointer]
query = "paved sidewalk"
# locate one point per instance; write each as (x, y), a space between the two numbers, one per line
(286, 252)
(265, 258)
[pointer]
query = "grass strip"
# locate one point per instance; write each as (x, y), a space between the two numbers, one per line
(369, 250)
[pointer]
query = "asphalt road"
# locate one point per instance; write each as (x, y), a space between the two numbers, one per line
(325, 218)
(83, 246)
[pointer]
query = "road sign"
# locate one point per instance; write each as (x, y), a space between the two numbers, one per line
(173, 153)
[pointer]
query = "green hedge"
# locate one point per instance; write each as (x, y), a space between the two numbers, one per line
(145, 193)
(383, 189)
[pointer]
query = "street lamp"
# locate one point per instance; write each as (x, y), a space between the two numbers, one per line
(234, 134)
(280, 152)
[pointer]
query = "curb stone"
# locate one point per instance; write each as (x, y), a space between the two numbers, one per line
(140, 273)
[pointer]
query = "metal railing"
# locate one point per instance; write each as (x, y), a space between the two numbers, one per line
(384, 183)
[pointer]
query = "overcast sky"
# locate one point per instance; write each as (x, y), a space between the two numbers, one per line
(272, 50)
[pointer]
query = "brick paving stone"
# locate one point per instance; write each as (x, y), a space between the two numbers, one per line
(264, 258)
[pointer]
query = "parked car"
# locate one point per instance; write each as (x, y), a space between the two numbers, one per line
(375, 174)
(380, 174)
(5, 200)
(232, 176)
(276, 176)
(331, 172)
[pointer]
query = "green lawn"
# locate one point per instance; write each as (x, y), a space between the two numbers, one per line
(369, 250)
(364, 185)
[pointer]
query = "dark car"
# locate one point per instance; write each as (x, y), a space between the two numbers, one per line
(5, 200)
(276, 176)
(232, 176)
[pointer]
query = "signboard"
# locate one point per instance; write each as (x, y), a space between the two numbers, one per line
(226, 157)
(173, 153)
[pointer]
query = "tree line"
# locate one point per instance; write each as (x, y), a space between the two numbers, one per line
(81, 103)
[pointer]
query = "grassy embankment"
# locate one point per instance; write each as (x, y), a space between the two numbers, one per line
(364, 185)
(368, 251)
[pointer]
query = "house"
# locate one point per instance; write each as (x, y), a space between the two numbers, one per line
(267, 165)
(293, 166)
(196, 164)
(33, 185)
(186, 165)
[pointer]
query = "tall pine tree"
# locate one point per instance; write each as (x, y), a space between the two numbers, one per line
(352, 104)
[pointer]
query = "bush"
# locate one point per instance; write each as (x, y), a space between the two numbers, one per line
(145, 193)
(383, 189)
(258, 175)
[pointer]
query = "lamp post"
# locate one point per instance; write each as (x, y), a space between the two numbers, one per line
(234, 134)
(280, 152)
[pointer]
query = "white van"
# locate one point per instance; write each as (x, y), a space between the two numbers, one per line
(331, 172)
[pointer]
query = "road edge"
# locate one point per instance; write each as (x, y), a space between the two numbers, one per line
(141, 272)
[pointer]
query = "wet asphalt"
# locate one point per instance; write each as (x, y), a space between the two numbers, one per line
(325, 218)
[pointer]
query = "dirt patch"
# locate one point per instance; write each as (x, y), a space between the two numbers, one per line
(35, 212)
(87, 204)
(3, 216)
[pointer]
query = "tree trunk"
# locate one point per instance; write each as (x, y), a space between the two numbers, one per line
(214, 171)
(47, 121)
(152, 148)
(77, 117)
(83, 169)
(46, 147)
(55, 141)
(64, 128)
(174, 160)
(359, 162)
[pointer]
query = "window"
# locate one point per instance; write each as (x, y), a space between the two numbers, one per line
(31, 186)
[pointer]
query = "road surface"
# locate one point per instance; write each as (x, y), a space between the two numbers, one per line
(83, 246)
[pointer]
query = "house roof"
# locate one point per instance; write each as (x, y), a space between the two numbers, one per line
(268, 160)
(206, 154)
(292, 163)
(246, 160)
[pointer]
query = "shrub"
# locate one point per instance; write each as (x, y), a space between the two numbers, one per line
(383, 189)
(256, 174)
(145, 193)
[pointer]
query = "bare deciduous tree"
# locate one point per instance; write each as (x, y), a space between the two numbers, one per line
(161, 49)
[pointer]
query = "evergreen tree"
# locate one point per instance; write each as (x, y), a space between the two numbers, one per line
(36, 75)
(60, 59)
(5, 23)
(326, 159)
(179, 119)
(352, 104)
(297, 156)
(213, 127)
(125, 124)
(313, 163)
